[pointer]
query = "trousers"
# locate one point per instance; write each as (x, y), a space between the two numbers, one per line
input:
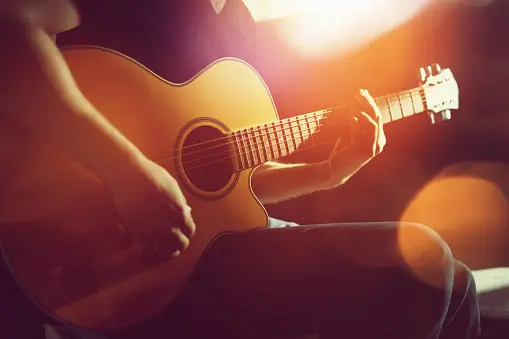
(386, 280)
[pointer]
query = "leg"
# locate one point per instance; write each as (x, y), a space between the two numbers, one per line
(19, 318)
(341, 281)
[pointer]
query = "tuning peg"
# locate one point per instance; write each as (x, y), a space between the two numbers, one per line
(434, 69)
(422, 73)
(441, 116)
(446, 115)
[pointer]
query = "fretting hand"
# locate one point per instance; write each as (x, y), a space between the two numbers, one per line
(367, 141)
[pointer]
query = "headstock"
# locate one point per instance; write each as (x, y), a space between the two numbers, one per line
(441, 92)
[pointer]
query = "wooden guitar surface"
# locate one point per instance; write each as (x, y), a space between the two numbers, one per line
(59, 233)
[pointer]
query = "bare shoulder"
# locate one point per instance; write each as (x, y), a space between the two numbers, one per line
(54, 16)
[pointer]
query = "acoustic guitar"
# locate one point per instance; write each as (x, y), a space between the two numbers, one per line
(59, 233)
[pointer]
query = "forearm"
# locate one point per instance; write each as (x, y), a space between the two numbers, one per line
(42, 98)
(275, 182)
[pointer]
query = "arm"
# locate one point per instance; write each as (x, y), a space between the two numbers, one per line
(274, 182)
(54, 16)
(40, 95)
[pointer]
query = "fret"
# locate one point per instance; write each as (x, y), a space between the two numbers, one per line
(388, 103)
(250, 148)
(292, 134)
(294, 129)
(273, 140)
(256, 145)
(265, 146)
(268, 140)
(277, 140)
(401, 105)
(412, 102)
(281, 129)
(300, 122)
(287, 133)
(312, 122)
(418, 101)
(261, 144)
(244, 150)
(407, 102)
(394, 104)
(281, 142)
(315, 122)
(308, 126)
(385, 110)
(238, 150)
(254, 142)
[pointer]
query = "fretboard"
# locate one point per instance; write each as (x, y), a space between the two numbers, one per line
(401, 105)
(268, 142)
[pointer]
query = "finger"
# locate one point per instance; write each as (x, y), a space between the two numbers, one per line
(165, 245)
(368, 139)
(380, 138)
(167, 241)
(368, 104)
(171, 244)
(189, 227)
(184, 219)
(365, 93)
(180, 240)
(367, 125)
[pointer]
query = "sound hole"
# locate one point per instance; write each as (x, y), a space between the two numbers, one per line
(207, 158)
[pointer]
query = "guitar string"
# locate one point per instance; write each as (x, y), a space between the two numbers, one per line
(240, 169)
(257, 152)
(251, 152)
(405, 95)
(263, 137)
(249, 145)
(252, 162)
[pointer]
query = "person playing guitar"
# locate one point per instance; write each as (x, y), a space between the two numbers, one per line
(357, 280)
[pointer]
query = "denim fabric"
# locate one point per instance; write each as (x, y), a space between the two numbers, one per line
(337, 280)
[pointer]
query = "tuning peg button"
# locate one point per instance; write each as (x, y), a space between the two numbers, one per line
(446, 115)
(422, 73)
(434, 69)
(440, 117)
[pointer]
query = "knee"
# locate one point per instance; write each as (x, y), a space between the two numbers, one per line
(426, 254)
(464, 281)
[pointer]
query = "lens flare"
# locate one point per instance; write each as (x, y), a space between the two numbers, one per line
(467, 205)
(319, 28)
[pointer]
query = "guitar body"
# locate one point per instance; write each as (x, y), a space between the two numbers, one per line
(59, 232)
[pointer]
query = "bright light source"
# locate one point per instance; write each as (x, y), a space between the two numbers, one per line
(321, 27)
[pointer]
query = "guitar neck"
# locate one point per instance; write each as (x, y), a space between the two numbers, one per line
(256, 145)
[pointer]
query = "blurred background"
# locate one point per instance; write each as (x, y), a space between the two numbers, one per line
(453, 176)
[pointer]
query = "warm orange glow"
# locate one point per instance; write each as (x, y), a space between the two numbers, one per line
(321, 27)
(468, 207)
